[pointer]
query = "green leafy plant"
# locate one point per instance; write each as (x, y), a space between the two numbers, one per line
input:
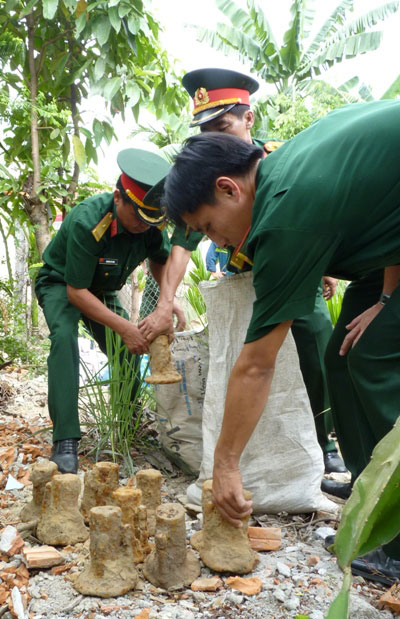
(17, 345)
(112, 410)
(370, 517)
(335, 303)
(193, 296)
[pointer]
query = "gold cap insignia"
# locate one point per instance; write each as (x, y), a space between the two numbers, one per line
(201, 96)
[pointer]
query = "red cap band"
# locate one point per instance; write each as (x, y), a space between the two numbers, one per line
(128, 183)
(203, 96)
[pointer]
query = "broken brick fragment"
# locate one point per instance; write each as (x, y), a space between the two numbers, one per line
(42, 557)
(207, 584)
(248, 586)
(391, 599)
(313, 560)
(265, 538)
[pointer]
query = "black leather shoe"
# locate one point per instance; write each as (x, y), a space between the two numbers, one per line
(65, 454)
(334, 463)
(378, 567)
(336, 488)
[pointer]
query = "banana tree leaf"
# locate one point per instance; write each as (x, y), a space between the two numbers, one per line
(339, 609)
(393, 90)
(369, 19)
(307, 18)
(228, 39)
(290, 52)
(349, 84)
(330, 27)
(313, 87)
(345, 49)
(365, 93)
(239, 17)
(262, 27)
(370, 517)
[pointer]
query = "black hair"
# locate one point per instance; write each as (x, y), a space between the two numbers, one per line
(238, 110)
(204, 158)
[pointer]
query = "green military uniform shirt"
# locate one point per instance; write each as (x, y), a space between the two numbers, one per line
(93, 250)
(327, 203)
(189, 239)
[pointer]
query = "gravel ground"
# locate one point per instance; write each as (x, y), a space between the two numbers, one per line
(301, 578)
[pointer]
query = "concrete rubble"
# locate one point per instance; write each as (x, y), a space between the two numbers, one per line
(298, 578)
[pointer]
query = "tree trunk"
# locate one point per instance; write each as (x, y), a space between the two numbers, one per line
(38, 217)
(36, 210)
(7, 253)
(21, 268)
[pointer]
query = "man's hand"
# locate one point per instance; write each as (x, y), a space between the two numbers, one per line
(158, 322)
(329, 285)
(228, 494)
(357, 327)
(134, 340)
(217, 274)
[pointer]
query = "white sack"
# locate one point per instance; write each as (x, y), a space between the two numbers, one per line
(180, 406)
(282, 465)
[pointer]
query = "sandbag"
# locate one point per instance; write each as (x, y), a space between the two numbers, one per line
(282, 464)
(180, 406)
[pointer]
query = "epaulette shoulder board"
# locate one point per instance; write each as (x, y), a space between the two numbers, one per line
(272, 145)
(101, 228)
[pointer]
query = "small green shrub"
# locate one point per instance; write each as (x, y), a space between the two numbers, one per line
(115, 422)
(16, 344)
(335, 303)
(193, 296)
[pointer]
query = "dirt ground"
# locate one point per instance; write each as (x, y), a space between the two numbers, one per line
(299, 580)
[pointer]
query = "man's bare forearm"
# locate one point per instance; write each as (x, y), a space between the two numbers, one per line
(172, 275)
(391, 279)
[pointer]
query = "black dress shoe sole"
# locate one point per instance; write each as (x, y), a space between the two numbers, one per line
(341, 490)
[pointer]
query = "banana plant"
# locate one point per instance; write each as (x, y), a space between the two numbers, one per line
(293, 65)
(370, 517)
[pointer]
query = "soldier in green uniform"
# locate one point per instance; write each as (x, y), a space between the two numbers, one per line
(222, 103)
(326, 202)
(100, 242)
(183, 242)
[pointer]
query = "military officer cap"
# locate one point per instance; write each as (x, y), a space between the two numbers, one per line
(216, 91)
(142, 178)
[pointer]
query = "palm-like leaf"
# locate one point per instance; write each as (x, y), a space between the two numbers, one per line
(251, 38)
(239, 18)
(393, 90)
(290, 52)
(226, 38)
(330, 26)
(343, 49)
(369, 19)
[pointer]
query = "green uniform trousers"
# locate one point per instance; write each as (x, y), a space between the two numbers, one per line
(364, 386)
(63, 362)
(311, 334)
